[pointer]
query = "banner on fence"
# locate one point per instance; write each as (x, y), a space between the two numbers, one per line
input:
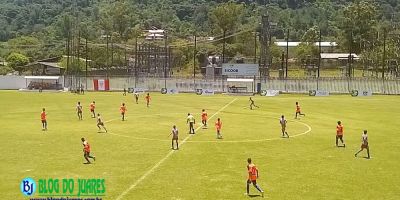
(101, 84)
(270, 93)
(139, 90)
(318, 93)
(205, 92)
(359, 93)
(240, 69)
(169, 91)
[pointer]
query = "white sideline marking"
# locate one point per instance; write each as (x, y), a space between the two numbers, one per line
(309, 129)
(166, 157)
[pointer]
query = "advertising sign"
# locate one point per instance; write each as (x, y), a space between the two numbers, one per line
(169, 91)
(270, 93)
(357, 93)
(318, 93)
(240, 69)
(205, 92)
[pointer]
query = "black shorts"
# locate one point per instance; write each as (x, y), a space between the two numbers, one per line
(44, 121)
(339, 136)
(100, 124)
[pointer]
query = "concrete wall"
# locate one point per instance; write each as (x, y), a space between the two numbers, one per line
(12, 82)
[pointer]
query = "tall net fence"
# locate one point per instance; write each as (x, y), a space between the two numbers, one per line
(294, 85)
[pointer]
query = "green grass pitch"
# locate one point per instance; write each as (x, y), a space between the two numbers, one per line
(307, 166)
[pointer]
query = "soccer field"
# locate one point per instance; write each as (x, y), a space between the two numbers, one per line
(136, 161)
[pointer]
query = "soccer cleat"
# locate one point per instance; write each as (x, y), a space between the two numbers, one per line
(262, 194)
(94, 158)
(344, 145)
(355, 155)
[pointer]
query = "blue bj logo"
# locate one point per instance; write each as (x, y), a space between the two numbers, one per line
(28, 186)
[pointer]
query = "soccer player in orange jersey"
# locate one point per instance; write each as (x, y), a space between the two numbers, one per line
(204, 118)
(148, 98)
(339, 134)
(86, 151)
(298, 110)
(79, 110)
(253, 176)
(123, 110)
(218, 126)
(92, 107)
(174, 134)
(43, 117)
(364, 144)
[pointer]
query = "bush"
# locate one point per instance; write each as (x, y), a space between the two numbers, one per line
(5, 70)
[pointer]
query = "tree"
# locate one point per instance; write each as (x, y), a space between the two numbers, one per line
(26, 45)
(225, 17)
(17, 61)
(307, 46)
(357, 23)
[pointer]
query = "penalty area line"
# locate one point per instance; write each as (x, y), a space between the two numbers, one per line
(151, 170)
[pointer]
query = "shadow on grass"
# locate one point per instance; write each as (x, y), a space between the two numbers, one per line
(254, 195)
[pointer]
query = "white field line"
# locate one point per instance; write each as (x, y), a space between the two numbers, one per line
(309, 129)
(131, 187)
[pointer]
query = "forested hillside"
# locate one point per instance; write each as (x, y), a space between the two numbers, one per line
(45, 25)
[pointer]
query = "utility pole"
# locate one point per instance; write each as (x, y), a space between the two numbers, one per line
(165, 63)
(86, 61)
(350, 58)
(287, 52)
(194, 61)
(255, 47)
(319, 52)
(136, 59)
(264, 39)
(223, 48)
(384, 53)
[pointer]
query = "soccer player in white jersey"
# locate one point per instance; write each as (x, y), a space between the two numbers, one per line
(364, 144)
(190, 119)
(100, 123)
(283, 123)
(79, 110)
(174, 134)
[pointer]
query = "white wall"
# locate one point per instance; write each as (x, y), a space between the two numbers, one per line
(12, 82)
